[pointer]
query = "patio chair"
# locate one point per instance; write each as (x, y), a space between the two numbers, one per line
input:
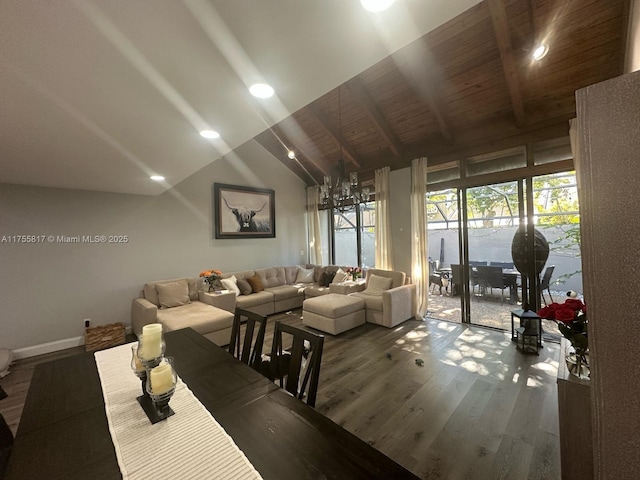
(545, 283)
(490, 278)
(434, 277)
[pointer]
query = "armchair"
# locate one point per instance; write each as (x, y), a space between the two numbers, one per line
(391, 306)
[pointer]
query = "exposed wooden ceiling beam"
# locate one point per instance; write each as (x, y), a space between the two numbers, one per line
(500, 23)
(359, 92)
(323, 120)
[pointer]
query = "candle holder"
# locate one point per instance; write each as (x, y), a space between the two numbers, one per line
(138, 367)
(161, 385)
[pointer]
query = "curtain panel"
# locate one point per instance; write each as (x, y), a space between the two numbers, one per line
(315, 238)
(384, 252)
(419, 240)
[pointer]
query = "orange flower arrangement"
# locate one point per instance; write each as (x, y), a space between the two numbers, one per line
(211, 277)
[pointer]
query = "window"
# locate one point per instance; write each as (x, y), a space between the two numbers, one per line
(354, 236)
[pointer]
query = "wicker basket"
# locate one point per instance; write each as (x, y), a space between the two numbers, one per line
(104, 336)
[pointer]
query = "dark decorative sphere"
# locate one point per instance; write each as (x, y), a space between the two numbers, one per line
(519, 251)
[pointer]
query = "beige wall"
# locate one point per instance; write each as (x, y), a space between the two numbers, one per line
(609, 133)
(632, 59)
(47, 289)
(400, 198)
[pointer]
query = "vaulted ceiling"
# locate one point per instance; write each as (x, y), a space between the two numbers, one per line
(467, 88)
(100, 94)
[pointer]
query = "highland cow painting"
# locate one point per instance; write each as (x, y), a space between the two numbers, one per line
(243, 212)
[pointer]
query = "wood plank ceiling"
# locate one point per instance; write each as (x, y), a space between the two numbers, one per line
(467, 88)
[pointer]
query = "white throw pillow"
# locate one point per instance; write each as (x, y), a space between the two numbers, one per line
(340, 277)
(304, 275)
(231, 284)
(378, 284)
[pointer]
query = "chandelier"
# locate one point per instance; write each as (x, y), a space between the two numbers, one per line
(346, 192)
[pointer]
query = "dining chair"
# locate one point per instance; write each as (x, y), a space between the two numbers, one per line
(545, 283)
(434, 277)
(6, 444)
(303, 359)
(506, 265)
(490, 278)
(249, 349)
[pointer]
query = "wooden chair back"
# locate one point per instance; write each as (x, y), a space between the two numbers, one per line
(297, 355)
(249, 349)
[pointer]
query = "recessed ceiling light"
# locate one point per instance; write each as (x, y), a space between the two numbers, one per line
(157, 178)
(291, 154)
(261, 90)
(540, 51)
(376, 5)
(209, 134)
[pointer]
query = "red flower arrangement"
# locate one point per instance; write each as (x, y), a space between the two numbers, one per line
(355, 272)
(571, 318)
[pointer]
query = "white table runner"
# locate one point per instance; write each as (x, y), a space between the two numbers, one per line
(188, 445)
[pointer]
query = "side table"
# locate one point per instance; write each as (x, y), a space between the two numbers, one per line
(345, 288)
(224, 300)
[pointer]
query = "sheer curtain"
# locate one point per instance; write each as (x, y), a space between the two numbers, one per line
(419, 242)
(315, 238)
(384, 259)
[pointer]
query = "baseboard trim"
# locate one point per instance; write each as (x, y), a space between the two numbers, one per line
(51, 347)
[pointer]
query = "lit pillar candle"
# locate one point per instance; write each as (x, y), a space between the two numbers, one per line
(151, 341)
(161, 378)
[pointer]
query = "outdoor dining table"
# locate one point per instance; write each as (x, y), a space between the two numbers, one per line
(64, 431)
(509, 275)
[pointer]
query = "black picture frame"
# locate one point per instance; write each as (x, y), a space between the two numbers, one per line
(243, 212)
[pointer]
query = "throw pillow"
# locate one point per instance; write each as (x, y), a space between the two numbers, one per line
(256, 283)
(304, 275)
(326, 278)
(244, 287)
(378, 284)
(230, 284)
(173, 294)
(340, 276)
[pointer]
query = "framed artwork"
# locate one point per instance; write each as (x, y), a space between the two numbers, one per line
(244, 212)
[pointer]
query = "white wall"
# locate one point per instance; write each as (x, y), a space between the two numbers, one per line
(48, 289)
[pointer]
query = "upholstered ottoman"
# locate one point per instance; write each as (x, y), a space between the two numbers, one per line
(333, 313)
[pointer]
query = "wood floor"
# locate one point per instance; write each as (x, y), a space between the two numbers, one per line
(475, 409)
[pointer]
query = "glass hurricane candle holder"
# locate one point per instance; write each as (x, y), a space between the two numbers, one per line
(138, 367)
(151, 350)
(161, 385)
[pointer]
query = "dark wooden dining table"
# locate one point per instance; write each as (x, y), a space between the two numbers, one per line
(64, 433)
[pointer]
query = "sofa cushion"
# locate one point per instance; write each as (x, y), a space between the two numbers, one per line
(284, 292)
(259, 298)
(377, 284)
(290, 274)
(304, 275)
(340, 276)
(244, 287)
(201, 317)
(398, 277)
(256, 284)
(230, 284)
(272, 277)
(326, 278)
(371, 302)
(151, 294)
(173, 294)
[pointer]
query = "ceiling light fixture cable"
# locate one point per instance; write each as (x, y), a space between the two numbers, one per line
(347, 193)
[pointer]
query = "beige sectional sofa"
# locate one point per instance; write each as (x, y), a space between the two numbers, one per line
(178, 303)
(282, 289)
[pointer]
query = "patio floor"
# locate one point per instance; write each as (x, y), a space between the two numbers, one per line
(486, 310)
